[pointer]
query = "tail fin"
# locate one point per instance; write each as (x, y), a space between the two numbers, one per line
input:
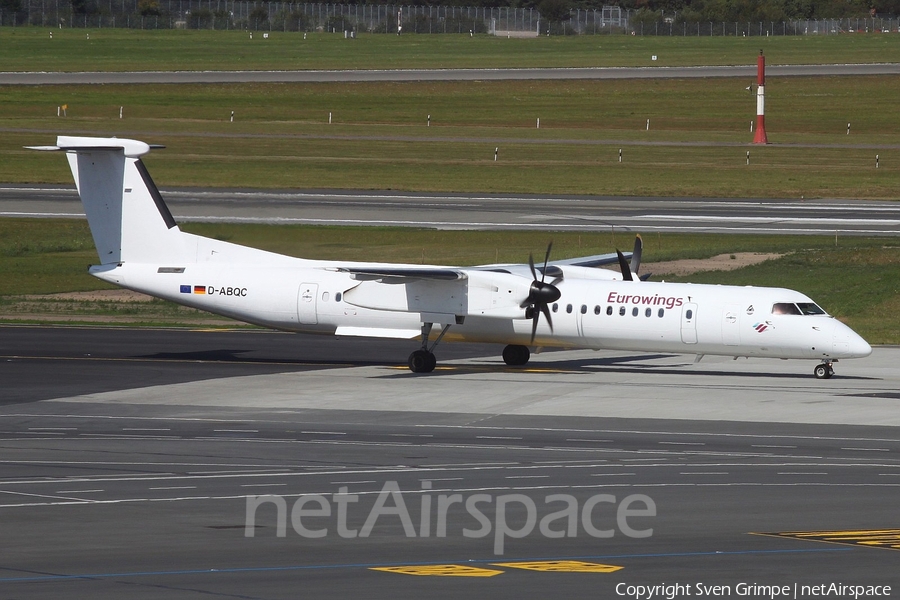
(129, 220)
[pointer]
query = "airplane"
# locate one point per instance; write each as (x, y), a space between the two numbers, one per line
(572, 303)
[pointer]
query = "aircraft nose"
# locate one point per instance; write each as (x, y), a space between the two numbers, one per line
(859, 347)
(848, 343)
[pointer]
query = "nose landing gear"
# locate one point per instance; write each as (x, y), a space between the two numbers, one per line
(824, 370)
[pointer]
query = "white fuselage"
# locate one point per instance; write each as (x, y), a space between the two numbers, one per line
(596, 308)
(141, 247)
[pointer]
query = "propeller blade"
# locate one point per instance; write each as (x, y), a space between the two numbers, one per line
(626, 270)
(546, 260)
(546, 311)
(540, 294)
(636, 255)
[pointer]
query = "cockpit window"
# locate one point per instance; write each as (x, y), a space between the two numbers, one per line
(785, 308)
(810, 308)
(800, 308)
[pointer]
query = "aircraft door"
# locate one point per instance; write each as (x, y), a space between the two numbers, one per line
(306, 303)
(731, 330)
(689, 323)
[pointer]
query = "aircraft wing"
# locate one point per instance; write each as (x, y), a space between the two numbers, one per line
(389, 274)
(554, 266)
(597, 260)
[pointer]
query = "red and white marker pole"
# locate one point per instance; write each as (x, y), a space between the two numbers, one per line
(760, 135)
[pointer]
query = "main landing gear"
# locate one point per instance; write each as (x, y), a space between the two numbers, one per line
(516, 356)
(824, 370)
(423, 360)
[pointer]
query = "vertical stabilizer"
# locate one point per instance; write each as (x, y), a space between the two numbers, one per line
(129, 220)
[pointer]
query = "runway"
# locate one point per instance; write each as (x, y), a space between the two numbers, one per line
(168, 77)
(469, 211)
(135, 480)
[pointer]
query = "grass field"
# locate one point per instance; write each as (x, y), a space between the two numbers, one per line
(32, 49)
(865, 295)
(696, 144)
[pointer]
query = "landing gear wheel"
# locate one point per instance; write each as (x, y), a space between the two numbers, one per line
(516, 356)
(823, 371)
(422, 361)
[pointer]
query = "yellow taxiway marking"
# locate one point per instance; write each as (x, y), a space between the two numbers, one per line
(441, 570)
(876, 538)
(561, 566)
(547, 566)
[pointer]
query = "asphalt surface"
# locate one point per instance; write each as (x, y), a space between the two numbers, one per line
(116, 489)
(464, 211)
(88, 360)
(164, 77)
(130, 457)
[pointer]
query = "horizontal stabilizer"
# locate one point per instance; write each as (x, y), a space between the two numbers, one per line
(130, 148)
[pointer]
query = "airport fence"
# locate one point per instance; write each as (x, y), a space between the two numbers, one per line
(371, 18)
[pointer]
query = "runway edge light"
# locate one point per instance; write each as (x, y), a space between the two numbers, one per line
(760, 136)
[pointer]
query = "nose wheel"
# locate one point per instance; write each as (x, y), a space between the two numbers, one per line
(823, 371)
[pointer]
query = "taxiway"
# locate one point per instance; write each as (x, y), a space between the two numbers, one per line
(129, 456)
(473, 211)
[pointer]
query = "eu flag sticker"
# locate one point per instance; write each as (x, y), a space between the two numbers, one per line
(185, 289)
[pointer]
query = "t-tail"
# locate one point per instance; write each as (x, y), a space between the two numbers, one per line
(129, 221)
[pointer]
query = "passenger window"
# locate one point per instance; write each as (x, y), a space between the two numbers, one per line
(634, 311)
(689, 314)
(584, 309)
(785, 308)
(555, 307)
(325, 296)
(648, 312)
(609, 310)
(596, 310)
(569, 308)
(337, 297)
(662, 311)
(622, 311)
